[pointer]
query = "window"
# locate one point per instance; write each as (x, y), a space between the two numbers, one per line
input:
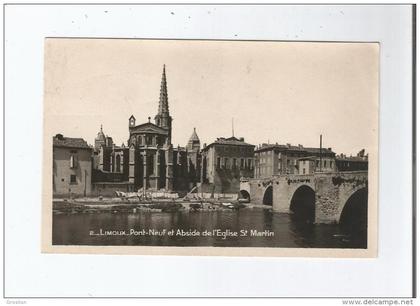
(331, 164)
(304, 170)
(73, 179)
(118, 163)
(150, 165)
(242, 163)
(226, 163)
(250, 164)
(317, 163)
(73, 163)
(218, 163)
(234, 163)
(325, 164)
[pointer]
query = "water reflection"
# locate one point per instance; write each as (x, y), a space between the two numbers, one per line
(74, 229)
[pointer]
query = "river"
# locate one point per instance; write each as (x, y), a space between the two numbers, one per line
(246, 227)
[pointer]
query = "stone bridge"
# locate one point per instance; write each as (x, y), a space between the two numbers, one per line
(317, 197)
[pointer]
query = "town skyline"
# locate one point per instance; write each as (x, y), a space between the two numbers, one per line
(274, 93)
(112, 90)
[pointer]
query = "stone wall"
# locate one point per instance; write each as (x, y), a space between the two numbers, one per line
(285, 187)
(108, 189)
(81, 171)
(332, 190)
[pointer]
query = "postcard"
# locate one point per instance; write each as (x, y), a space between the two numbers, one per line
(210, 147)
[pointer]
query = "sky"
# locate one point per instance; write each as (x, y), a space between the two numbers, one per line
(284, 92)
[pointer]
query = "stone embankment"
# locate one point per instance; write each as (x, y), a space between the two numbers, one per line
(130, 205)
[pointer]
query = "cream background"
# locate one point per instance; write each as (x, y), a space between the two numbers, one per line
(275, 91)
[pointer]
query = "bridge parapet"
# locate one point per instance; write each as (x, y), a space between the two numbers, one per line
(332, 190)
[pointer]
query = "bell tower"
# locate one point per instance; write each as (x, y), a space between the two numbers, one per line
(131, 122)
(163, 119)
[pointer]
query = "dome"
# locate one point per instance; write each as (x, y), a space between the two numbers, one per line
(194, 136)
(194, 142)
(101, 135)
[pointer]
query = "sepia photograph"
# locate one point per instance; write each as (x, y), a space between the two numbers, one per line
(185, 150)
(256, 146)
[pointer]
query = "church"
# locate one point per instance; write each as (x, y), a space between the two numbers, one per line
(149, 161)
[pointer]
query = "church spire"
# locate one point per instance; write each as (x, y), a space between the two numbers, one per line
(163, 98)
(163, 119)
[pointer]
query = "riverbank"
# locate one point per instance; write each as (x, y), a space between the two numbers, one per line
(115, 205)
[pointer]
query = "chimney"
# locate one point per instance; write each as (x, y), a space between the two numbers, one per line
(242, 139)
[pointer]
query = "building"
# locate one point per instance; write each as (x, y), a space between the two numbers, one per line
(307, 165)
(276, 159)
(148, 161)
(353, 163)
(72, 166)
(102, 141)
(225, 162)
(193, 149)
(151, 154)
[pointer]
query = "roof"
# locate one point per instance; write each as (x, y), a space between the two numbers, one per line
(179, 149)
(194, 136)
(352, 158)
(120, 148)
(101, 135)
(308, 158)
(148, 127)
(267, 147)
(233, 141)
(67, 142)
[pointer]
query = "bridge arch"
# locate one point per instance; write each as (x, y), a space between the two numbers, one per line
(245, 194)
(268, 195)
(347, 195)
(302, 204)
(354, 211)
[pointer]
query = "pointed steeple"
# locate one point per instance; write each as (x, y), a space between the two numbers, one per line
(163, 98)
(194, 136)
(194, 142)
(100, 139)
(163, 119)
